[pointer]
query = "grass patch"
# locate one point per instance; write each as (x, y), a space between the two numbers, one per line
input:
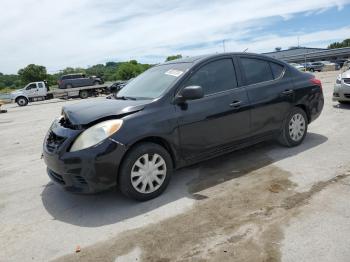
(6, 90)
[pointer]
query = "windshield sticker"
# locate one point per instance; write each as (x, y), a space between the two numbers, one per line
(174, 72)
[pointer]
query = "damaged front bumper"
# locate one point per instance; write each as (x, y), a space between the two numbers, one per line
(89, 170)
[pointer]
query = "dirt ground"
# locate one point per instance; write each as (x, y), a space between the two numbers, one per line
(263, 203)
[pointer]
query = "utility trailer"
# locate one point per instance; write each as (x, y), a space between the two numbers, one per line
(38, 91)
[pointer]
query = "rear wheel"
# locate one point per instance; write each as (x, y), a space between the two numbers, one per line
(22, 101)
(294, 128)
(145, 172)
(83, 94)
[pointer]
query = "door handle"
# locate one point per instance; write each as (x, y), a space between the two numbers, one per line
(236, 104)
(287, 92)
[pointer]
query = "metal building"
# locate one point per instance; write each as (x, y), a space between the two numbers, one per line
(306, 54)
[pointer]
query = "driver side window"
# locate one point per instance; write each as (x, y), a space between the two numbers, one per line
(31, 86)
(215, 77)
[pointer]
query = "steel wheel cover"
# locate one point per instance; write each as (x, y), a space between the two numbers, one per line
(148, 173)
(297, 127)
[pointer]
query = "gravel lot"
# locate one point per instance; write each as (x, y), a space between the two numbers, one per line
(263, 203)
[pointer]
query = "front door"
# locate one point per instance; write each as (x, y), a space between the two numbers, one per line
(31, 90)
(221, 117)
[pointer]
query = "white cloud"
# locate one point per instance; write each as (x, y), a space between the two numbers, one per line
(84, 32)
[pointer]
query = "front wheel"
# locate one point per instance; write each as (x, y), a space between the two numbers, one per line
(145, 172)
(22, 101)
(294, 128)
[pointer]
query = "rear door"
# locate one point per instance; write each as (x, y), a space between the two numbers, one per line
(270, 92)
(221, 117)
(41, 89)
(85, 81)
(78, 80)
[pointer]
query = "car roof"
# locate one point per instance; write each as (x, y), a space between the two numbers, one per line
(201, 58)
(74, 74)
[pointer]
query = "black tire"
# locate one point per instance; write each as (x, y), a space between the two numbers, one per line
(83, 94)
(285, 137)
(68, 86)
(124, 178)
(22, 101)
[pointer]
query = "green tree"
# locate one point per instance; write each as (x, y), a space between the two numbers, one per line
(344, 43)
(96, 70)
(71, 70)
(173, 57)
(127, 71)
(32, 73)
(130, 69)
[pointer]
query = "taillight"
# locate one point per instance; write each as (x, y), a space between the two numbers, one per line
(316, 82)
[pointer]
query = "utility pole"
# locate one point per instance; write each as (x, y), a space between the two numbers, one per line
(223, 45)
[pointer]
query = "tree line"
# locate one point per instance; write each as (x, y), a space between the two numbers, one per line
(110, 71)
(344, 43)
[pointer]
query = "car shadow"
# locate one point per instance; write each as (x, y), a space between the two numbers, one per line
(342, 106)
(111, 207)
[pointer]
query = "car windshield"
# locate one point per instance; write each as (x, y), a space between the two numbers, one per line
(154, 82)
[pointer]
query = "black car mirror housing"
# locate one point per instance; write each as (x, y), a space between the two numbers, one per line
(190, 93)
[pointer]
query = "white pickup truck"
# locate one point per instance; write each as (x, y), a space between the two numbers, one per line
(37, 91)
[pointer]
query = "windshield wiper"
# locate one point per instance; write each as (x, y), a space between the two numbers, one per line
(125, 98)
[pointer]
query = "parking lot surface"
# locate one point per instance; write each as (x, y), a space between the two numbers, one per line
(263, 203)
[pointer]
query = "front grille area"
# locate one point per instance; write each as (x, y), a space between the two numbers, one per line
(346, 80)
(80, 180)
(54, 141)
(58, 178)
(347, 95)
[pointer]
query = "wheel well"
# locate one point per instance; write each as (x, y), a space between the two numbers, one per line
(303, 107)
(18, 97)
(157, 140)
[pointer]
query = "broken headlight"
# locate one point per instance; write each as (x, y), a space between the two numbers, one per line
(338, 81)
(96, 134)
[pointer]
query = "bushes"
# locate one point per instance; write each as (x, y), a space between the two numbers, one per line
(111, 71)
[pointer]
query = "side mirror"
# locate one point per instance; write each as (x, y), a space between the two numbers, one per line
(190, 93)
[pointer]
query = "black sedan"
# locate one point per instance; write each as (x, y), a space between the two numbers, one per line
(176, 114)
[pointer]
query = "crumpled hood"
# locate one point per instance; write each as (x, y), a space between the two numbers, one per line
(86, 112)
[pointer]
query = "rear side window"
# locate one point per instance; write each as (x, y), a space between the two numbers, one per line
(256, 70)
(67, 77)
(40, 85)
(215, 77)
(277, 70)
